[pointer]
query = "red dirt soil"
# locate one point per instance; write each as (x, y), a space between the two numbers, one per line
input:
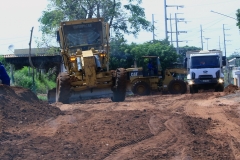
(203, 126)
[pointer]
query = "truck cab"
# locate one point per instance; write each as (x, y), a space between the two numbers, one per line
(205, 70)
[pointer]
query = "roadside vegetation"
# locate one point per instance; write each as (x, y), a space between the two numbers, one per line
(41, 84)
(24, 78)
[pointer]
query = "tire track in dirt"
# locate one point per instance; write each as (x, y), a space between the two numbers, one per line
(234, 144)
(168, 131)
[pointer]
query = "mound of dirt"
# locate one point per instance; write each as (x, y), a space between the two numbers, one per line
(230, 88)
(20, 106)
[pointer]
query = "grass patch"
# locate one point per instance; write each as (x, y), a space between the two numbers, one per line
(42, 97)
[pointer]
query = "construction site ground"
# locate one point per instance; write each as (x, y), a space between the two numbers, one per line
(204, 125)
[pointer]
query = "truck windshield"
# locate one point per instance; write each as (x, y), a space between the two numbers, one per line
(83, 34)
(205, 62)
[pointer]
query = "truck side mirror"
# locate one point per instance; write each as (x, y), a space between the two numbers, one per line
(224, 60)
(185, 63)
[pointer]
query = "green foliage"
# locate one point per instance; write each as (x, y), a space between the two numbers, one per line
(42, 97)
(166, 52)
(119, 56)
(24, 79)
(238, 18)
(124, 19)
(123, 55)
(236, 61)
(50, 21)
(6, 65)
(183, 51)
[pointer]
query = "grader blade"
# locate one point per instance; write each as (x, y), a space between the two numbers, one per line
(91, 94)
(86, 94)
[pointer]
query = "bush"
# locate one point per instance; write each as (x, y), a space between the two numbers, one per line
(24, 79)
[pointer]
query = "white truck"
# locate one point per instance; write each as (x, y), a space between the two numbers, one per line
(205, 70)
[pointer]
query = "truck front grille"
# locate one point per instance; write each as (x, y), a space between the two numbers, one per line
(205, 77)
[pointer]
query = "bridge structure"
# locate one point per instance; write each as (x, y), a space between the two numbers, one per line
(39, 61)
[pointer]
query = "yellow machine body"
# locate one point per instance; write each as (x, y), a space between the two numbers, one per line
(85, 52)
(142, 82)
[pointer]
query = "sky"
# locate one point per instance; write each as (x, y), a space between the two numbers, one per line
(18, 18)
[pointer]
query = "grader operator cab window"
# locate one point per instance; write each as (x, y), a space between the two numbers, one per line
(83, 35)
(151, 65)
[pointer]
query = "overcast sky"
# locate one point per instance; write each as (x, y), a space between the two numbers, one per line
(18, 17)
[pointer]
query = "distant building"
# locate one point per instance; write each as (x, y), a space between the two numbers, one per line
(42, 58)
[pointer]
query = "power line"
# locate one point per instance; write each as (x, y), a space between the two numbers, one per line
(210, 4)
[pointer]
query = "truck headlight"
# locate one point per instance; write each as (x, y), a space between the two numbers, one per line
(190, 82)
(220, 80)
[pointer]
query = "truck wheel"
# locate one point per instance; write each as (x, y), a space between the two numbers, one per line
(63, 88)
(219, 88)
(193, 89)
(177, 87)
(119, 85)
(141, 88)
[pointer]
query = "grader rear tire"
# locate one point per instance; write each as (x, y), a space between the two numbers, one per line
(119, 85)
(63, 88)
(177, 87)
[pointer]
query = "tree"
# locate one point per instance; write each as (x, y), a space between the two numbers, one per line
(123, 19)
(235, 59)
(183, 51)
(123, 54)
(159, 48)
(238, 18)
(119, 57)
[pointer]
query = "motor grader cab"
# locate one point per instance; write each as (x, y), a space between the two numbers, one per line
(151, 77)
(85, 53)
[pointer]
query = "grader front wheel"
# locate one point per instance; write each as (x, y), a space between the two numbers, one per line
(63, 88)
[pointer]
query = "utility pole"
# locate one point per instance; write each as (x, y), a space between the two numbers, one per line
(165, 18)
(207, 42)
(171, 28)
(176, 33)
(227, 68)
(201, 36)
(219, 44)
(153, 22)
(31, 64)
(165, 15)
(224, 41)
(225, 50)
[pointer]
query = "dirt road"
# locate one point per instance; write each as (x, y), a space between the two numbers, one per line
(177, 127)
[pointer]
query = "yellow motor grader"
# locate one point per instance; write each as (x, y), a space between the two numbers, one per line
(85, 73)
(143, 80)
